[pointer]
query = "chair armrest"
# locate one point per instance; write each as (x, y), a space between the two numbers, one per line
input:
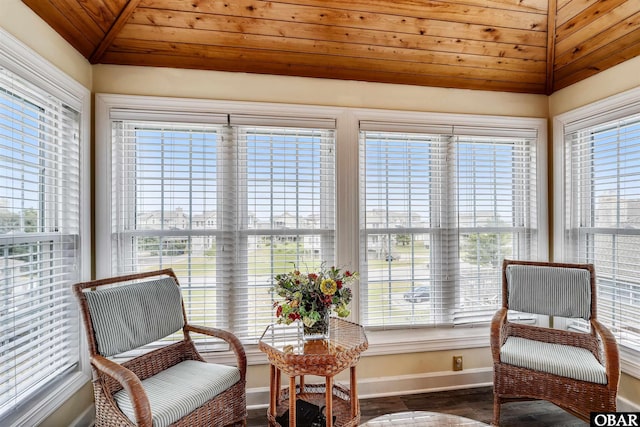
(610, 350)
(233, 341)
(497, 326)
(131, 384)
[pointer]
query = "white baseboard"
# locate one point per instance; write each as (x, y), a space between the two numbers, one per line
(399, 385)
(625, 405)
(258, 397)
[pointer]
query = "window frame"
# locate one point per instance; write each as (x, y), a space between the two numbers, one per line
(445, 124)
(260, 114)
(27, 64)
(347, 185)
(612, 108)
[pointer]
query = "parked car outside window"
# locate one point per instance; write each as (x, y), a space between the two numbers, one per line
(417, 295)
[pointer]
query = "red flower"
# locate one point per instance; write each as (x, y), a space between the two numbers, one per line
(339, 284)
(347, 273)
(279, 311)
(294, 316)
(313, 276)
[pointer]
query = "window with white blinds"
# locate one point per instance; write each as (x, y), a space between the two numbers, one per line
(227, 202)
(168, 209)
(441, 206)
(602, 213)
(39, 240)
(286, 200)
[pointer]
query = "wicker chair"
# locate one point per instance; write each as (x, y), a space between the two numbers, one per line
(171, 385)
(576, 371)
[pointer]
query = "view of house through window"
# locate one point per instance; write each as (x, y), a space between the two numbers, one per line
(39, 240)
(440, 210)
(227, 207)
(230, 200)
(602, 218)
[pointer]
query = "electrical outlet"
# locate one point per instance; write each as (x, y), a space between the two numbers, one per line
(457, 363)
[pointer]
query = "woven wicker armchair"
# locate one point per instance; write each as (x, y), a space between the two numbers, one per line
(168, 386)
(578, 372)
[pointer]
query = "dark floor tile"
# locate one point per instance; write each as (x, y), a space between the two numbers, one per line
(371, 408)
(474, 403)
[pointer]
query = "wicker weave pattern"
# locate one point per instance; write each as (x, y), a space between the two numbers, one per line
(227, 408)
(512, 383)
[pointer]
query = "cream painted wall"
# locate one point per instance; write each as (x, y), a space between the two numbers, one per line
(300, 90)
(17, 19)
(610, 82)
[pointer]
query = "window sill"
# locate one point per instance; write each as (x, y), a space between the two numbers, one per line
(630, 362)
(47, 401)
(400, 341)
(421, 340)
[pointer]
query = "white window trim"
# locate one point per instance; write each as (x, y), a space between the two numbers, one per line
(347, 185)
(26, 63)
(617, 106)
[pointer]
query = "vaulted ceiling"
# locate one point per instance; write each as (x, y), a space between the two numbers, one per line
(527, 46)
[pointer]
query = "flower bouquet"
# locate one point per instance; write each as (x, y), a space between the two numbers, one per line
(310, 297)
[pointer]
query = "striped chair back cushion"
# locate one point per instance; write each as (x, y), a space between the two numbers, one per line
(552, 291)
(127, 317)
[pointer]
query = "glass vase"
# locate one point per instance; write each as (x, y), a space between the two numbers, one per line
(319, 330)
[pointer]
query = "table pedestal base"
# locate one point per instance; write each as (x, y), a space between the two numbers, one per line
(316, 394)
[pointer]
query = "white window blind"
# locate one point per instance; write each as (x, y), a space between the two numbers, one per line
(602, 220)
(226, 206)
(495, 205)
(39, 239)
(168, 212)
(440, 209)
(286, 211)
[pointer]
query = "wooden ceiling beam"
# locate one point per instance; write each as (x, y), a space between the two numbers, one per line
(115, 28)
(551, 45)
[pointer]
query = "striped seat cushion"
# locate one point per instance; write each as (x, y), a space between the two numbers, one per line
(562, 360)
(128, 317)
(179, 390)
(553, 291)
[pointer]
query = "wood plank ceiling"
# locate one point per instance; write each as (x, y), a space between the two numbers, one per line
(527, 46)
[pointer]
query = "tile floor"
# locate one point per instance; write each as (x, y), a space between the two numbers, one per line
(475, 403)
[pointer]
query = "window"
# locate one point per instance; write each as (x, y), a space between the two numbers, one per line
(227, 201)
(41, 237)
(601, 222)
(231, 193)
(441, 207)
